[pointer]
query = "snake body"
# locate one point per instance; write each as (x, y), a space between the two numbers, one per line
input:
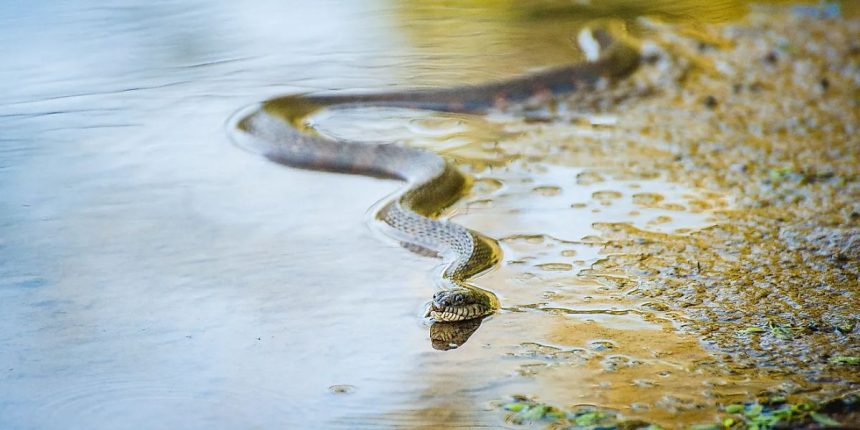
(277, 130)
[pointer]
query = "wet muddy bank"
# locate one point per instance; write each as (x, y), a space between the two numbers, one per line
(763, 113)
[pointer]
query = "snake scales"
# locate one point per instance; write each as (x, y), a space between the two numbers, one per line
(277, 130)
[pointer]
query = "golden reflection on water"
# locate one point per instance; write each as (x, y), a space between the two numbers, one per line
(491, 38)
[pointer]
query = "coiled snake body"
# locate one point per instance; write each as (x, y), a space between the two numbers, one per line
(276, 129)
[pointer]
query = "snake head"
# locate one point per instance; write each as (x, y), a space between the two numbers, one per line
(459, 304)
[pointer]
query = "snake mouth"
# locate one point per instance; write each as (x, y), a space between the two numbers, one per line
(457, 313)
(458, 305)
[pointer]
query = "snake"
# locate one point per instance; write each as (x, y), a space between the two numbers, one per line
(278, 130)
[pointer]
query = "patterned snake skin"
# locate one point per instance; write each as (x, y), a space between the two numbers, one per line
(276, 129)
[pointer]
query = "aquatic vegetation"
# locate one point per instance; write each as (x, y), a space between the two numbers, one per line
(522, 410)
(853, 361)
(773, 412)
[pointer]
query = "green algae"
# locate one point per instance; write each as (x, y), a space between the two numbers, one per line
(771, 413)
(523, 410)
(852, 361)
(776, 412)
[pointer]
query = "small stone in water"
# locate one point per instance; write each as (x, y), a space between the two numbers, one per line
(341, 389)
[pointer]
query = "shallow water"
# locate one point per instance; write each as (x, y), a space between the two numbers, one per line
(154, 275)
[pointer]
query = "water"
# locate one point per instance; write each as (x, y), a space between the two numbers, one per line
(154, 275)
